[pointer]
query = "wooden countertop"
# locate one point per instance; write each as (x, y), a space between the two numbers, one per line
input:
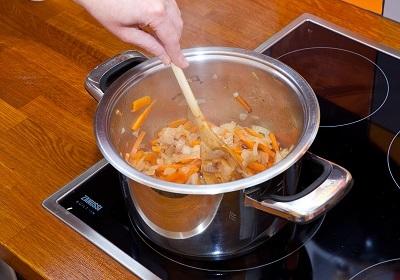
(46, 136)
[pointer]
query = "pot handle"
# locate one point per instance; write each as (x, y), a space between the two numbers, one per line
(101, 77)
(314, 200)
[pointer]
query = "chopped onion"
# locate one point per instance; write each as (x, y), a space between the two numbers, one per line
(260, 129)
(229, 126)
(255, 149)
(243, 116)
(209, 167)
(169, 171)
(136, 133)
(193, 179)
(228, 139)
(255, 75)
(186, 150)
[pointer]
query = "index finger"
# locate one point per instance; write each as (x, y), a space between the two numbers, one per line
(169, 37)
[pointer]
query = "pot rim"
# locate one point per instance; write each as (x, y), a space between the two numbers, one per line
(296, 81)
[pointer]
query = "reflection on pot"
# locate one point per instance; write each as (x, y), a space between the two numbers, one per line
(176, 216)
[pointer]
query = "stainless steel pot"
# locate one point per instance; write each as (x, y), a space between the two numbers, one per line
(226, 219)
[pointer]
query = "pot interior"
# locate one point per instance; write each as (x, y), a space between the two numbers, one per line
(276, 104)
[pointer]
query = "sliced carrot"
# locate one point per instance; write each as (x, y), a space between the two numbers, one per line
(265, 148)
(177, 123)
(190, 127)
(269, 158)
(238, 153)
(237, 149)
(140, 103)
(142, 117)
(244, 103)
(196, 162)
(242, 137)
(176, 177)
(187, 160)
(138, 155)
(194, 142)
(192, 170)
(254, 133)
(271, 162)
(249, 171)
(257, 167)
(156, 148)
(172, 165)
(274, 143)
(151, 157)
(137, 143)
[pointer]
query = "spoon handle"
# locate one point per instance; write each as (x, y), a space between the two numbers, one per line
(187, 91)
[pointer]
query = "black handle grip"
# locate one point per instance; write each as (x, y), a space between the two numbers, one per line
(100, 78)
(320, 172)
(115, 72)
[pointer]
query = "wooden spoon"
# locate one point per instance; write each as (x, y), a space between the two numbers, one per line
(213, 150)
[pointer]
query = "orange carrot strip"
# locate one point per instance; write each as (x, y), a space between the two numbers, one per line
(266, 149)
(176, 123)
(151, 157)
(172, 165)
(257, 167)
(186, 160)
(239, 133)
(138, 155)
(137, 143)
(271, 162)
(196, 162)
(140, 103)
(156, 148)
(237, 150)
(194, 142)
(190, 127)
(177, 177)
(244, 103)
(192, 170)
(142, 117)
(270, 159)
(249, 171)
(254, 133)
(274, 143)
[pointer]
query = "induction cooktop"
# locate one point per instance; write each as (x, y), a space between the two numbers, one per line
(357, 83)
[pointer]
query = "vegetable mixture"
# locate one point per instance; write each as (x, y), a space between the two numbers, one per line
(174, 154)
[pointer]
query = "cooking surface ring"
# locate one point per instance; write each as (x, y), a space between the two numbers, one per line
(394, 172)
(303, 233)
(354, 55)
(380, 270)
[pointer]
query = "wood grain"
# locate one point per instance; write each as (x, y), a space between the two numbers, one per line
(46, 136)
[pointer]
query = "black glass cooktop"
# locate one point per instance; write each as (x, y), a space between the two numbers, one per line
(358, 88)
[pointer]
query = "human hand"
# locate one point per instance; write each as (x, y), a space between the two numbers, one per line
(130, 20)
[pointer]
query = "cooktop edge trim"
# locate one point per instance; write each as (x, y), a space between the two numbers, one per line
(51, 204)
(330, 26)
